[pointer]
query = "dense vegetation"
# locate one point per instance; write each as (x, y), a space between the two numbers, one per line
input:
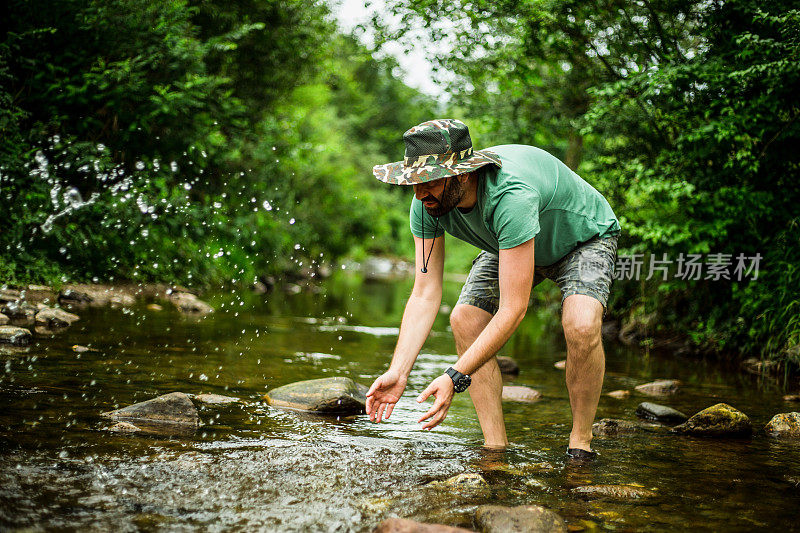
(202, 141)
(682, 112)
(191, 141)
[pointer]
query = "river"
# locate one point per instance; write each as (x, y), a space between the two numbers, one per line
(252, 467)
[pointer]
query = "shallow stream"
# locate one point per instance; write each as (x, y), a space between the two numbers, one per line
(251, 467)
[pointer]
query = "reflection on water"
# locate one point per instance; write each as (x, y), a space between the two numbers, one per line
(251, 466)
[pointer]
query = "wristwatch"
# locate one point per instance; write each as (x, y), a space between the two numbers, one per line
(460, 381)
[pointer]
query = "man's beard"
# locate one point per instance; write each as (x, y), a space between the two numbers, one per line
(452, 195)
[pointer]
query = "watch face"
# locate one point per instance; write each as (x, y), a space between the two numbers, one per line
(462, 383)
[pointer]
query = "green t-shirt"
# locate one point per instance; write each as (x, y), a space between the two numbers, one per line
(532, 195)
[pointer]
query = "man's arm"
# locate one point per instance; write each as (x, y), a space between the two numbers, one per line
(418, 317)
(516, 279)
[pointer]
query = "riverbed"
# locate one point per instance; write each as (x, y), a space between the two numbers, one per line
(253, 467)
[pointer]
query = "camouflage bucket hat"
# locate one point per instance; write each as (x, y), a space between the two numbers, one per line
(435, 149)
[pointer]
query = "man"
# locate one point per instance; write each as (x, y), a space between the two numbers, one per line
(533, 218)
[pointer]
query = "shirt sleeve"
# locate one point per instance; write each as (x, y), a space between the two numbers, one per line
(515, 218)
(420, 221)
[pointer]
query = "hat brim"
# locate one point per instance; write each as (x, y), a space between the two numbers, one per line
(399, 174)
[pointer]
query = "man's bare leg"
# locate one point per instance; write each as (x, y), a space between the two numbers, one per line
(486, 390)
(582, 318)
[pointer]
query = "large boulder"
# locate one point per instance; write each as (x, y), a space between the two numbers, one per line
(54, 319)
(717, 421)
(20, 313)
(401, 525)
(660, 413)
(518, 393)
(659, 387)
(521, 519)
(38, 294)
(170, 414)
(611, 427)
(95, 296)
(9, 295)
(507, 365)
(188, 303)
(14, 336)
(784, 425)
(615, 492)
(337, 395)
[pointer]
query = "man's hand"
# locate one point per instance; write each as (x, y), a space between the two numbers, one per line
(384, 395)
(442, 389)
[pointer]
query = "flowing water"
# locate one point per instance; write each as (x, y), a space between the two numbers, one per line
(252, 467)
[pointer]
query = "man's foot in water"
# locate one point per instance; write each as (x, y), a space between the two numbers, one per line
(581, 455)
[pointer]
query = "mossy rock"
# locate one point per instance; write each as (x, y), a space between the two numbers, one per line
(784, 425)
(614, 492)
(719, 420)
(337, 395)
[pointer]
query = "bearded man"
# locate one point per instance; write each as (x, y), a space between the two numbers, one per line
(533, 218)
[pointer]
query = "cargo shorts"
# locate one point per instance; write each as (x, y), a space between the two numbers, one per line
(588, 269)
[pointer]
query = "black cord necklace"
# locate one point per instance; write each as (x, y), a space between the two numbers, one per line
(425, 261)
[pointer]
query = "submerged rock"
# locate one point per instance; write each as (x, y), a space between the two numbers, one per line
(402, 525)
(155, 307)
(611, 427)
(617, 492)
(784, 425)
(4, 319)
(215, 399)
(124, 427)
(619, 394)
(507, 365)
(53, 319)
(561, 365)
(717, 421)
(462, 481)
(518, 393)
(338, 395)
(761, 367)
(14, 336)
(661, 413)
(169, 414)
(659, 387)
(522, 519)
(188, 303)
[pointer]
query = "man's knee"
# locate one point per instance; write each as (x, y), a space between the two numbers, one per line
(468, 320)
(582, 333)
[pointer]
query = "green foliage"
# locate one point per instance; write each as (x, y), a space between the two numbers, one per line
(683, 113)
(192, 142)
